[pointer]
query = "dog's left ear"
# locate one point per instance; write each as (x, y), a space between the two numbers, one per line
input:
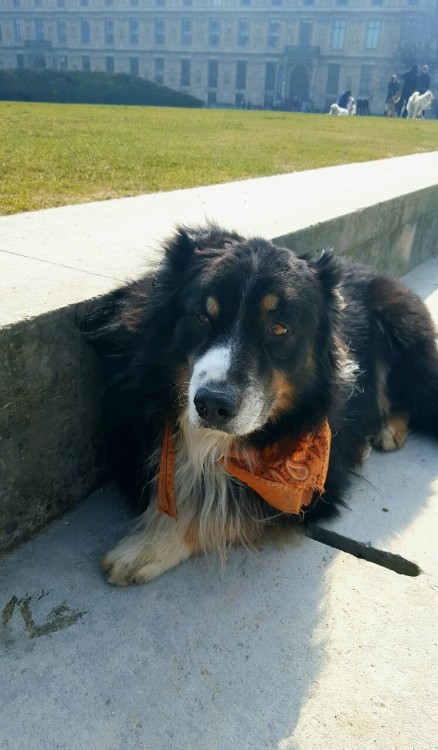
(328, 269)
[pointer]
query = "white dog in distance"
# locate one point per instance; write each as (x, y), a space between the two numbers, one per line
(417, 103)
(335, 109)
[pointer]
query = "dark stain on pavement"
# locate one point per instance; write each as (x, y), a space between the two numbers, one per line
(59, 618)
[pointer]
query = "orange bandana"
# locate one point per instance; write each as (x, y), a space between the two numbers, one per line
(286, 475)
(166, 477)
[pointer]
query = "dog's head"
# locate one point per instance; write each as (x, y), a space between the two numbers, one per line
(250, 329)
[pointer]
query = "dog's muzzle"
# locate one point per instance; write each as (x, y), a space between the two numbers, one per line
(216, 407)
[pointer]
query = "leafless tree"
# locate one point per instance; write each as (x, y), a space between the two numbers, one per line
(419, 37)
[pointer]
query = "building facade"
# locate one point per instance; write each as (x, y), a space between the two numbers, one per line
(293, 54)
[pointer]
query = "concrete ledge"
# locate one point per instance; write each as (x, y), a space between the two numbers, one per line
(383, 212)
(49, 423)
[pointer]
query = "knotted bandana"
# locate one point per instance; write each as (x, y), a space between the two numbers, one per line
(286, 474)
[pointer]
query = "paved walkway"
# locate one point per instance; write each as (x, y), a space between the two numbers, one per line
(298, 647)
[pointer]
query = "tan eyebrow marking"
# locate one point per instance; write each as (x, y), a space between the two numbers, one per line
(269, 302)
(212, 307)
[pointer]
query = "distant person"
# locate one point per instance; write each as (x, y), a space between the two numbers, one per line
(424, 80)
(344, 99)
(410, 84)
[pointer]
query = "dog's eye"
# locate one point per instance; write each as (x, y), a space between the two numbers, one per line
(277, 329)
(202, 318)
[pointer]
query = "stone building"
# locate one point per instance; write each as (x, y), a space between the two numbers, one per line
(259, 53)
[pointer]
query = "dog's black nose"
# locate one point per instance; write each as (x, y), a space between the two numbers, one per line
(215, 407)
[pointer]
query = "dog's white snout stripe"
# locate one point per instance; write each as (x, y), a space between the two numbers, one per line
(213, 366)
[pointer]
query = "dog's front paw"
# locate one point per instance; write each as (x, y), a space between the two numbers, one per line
(139, 560)
(124, 566)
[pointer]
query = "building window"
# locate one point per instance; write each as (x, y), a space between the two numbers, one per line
(366, 80)
(273, 33)
(109, 65)
(242, 33)
(186, 31)
(108, 26)
(187, 2)
(85, 31)
(86, 64)
(333, 79)
(133, 4)
(276, 2)
(376, 2)
(159, 70)
(241, 74)
(305, 33)
(341, 2)
(308, 2)
(16, 3)
(37, 3)
(373, 34)
(160, 3)
(338, 34)
(134, 31)
(270, 76)
(133, 66)
(61, 29)
(18, 33)
(60, 3)
(109, 3)
(212, 73)
(159, 31)
(185, 72)
(214, 32)
(63, 62)
(84, 3)
(245, 2)
(39, 30)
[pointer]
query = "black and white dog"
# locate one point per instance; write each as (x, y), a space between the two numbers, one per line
(245, 383)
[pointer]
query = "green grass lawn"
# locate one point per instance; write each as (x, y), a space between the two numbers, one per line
(56, 154)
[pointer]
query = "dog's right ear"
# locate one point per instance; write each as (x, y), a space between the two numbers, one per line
(189, 242)
(179, 249)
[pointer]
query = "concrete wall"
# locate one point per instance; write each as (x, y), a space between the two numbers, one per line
(54, 261)
(394, 236)
(49, 422)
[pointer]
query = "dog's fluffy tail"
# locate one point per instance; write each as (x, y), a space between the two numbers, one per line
(411, 349)
(424, 414)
